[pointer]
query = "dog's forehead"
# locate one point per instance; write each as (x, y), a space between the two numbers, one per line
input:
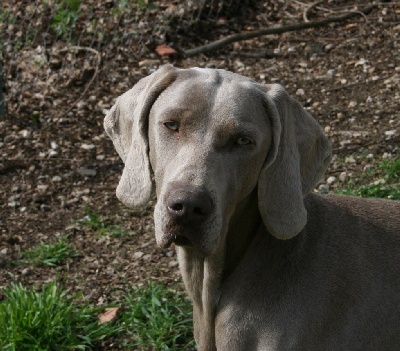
(211, 93)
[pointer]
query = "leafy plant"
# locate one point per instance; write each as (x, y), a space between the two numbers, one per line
(48, 320)
(387, 185)
(158, 318)
(51, 254)
(94, 221)
(65, 18)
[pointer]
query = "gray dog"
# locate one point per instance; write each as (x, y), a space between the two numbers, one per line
(267, 264)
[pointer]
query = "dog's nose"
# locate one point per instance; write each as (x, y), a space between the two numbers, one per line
(189, 206)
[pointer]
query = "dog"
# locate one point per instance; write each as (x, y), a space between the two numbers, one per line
(268, 264)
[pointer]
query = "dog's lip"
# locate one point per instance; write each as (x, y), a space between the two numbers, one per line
(177, 239)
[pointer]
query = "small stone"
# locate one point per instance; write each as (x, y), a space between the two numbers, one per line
(343, 177)
(25, 133)
(56, 179)
(87, 171)
(88, 146)
(327, 129)
(137, 255)
(53, 153)
(352, 104)
(349, 159)
(170, 253)
(331, 73)
(14, 204)
(173, 264)
(100, 157)
(331, 180)
(147, 257)
(323, 188)
(300, 92)
(379, 181)
(390, 132)
(45, 208)
(149, 63)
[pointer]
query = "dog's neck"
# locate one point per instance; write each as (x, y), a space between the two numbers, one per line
(203, 276)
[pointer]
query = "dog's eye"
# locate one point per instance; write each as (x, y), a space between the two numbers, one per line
(243, 141)
(171, 125)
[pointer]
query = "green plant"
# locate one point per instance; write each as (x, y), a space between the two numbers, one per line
(65, 18)
(48, 320)
(387, 184)
(158, 318)
(51, 254)
(96, 222)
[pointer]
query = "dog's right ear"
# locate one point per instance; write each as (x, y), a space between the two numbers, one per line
(127, 126)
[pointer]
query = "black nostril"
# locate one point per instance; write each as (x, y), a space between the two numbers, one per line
(176, 207)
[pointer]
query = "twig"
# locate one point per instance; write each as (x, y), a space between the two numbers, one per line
(309, 8)
(98, 56)
(270, 31)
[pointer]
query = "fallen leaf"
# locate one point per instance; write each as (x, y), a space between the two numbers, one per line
(165, 50)
(109, 315)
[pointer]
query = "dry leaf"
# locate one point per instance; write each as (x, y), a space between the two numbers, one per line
(109, 315)
(165, 50)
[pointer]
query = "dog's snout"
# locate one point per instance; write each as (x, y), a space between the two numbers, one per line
(189, 206)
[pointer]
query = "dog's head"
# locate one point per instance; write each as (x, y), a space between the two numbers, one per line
(210, 137)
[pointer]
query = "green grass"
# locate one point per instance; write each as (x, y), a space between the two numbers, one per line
(53, 254)
(386, 184)
(96, 222)
(157, 318)
(48, 320)
(153, 317)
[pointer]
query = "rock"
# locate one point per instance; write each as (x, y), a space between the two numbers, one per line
(173, 264)
(149, 63)
(349, 159)
(137, 255)
(87, 171)
(390, 132)
(147, 257)
(300, 92)
(56, 179)
(331, 180)
(88, 146)
(343, 177)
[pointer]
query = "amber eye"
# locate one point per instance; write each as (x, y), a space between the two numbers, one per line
(171, 125)
(244, 141)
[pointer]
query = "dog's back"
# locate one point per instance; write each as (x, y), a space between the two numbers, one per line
(336, 286)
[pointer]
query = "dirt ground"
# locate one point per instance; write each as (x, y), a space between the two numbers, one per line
(58, 166)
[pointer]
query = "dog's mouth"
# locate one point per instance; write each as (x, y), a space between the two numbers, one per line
(181, 240)
(178, 239)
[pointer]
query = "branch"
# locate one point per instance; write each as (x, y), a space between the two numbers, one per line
(277, 30)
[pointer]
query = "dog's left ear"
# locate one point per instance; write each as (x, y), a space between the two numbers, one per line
(127, 126)
(299, 155)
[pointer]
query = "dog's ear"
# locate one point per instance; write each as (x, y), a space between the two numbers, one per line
(127, 126)
(298, 157)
